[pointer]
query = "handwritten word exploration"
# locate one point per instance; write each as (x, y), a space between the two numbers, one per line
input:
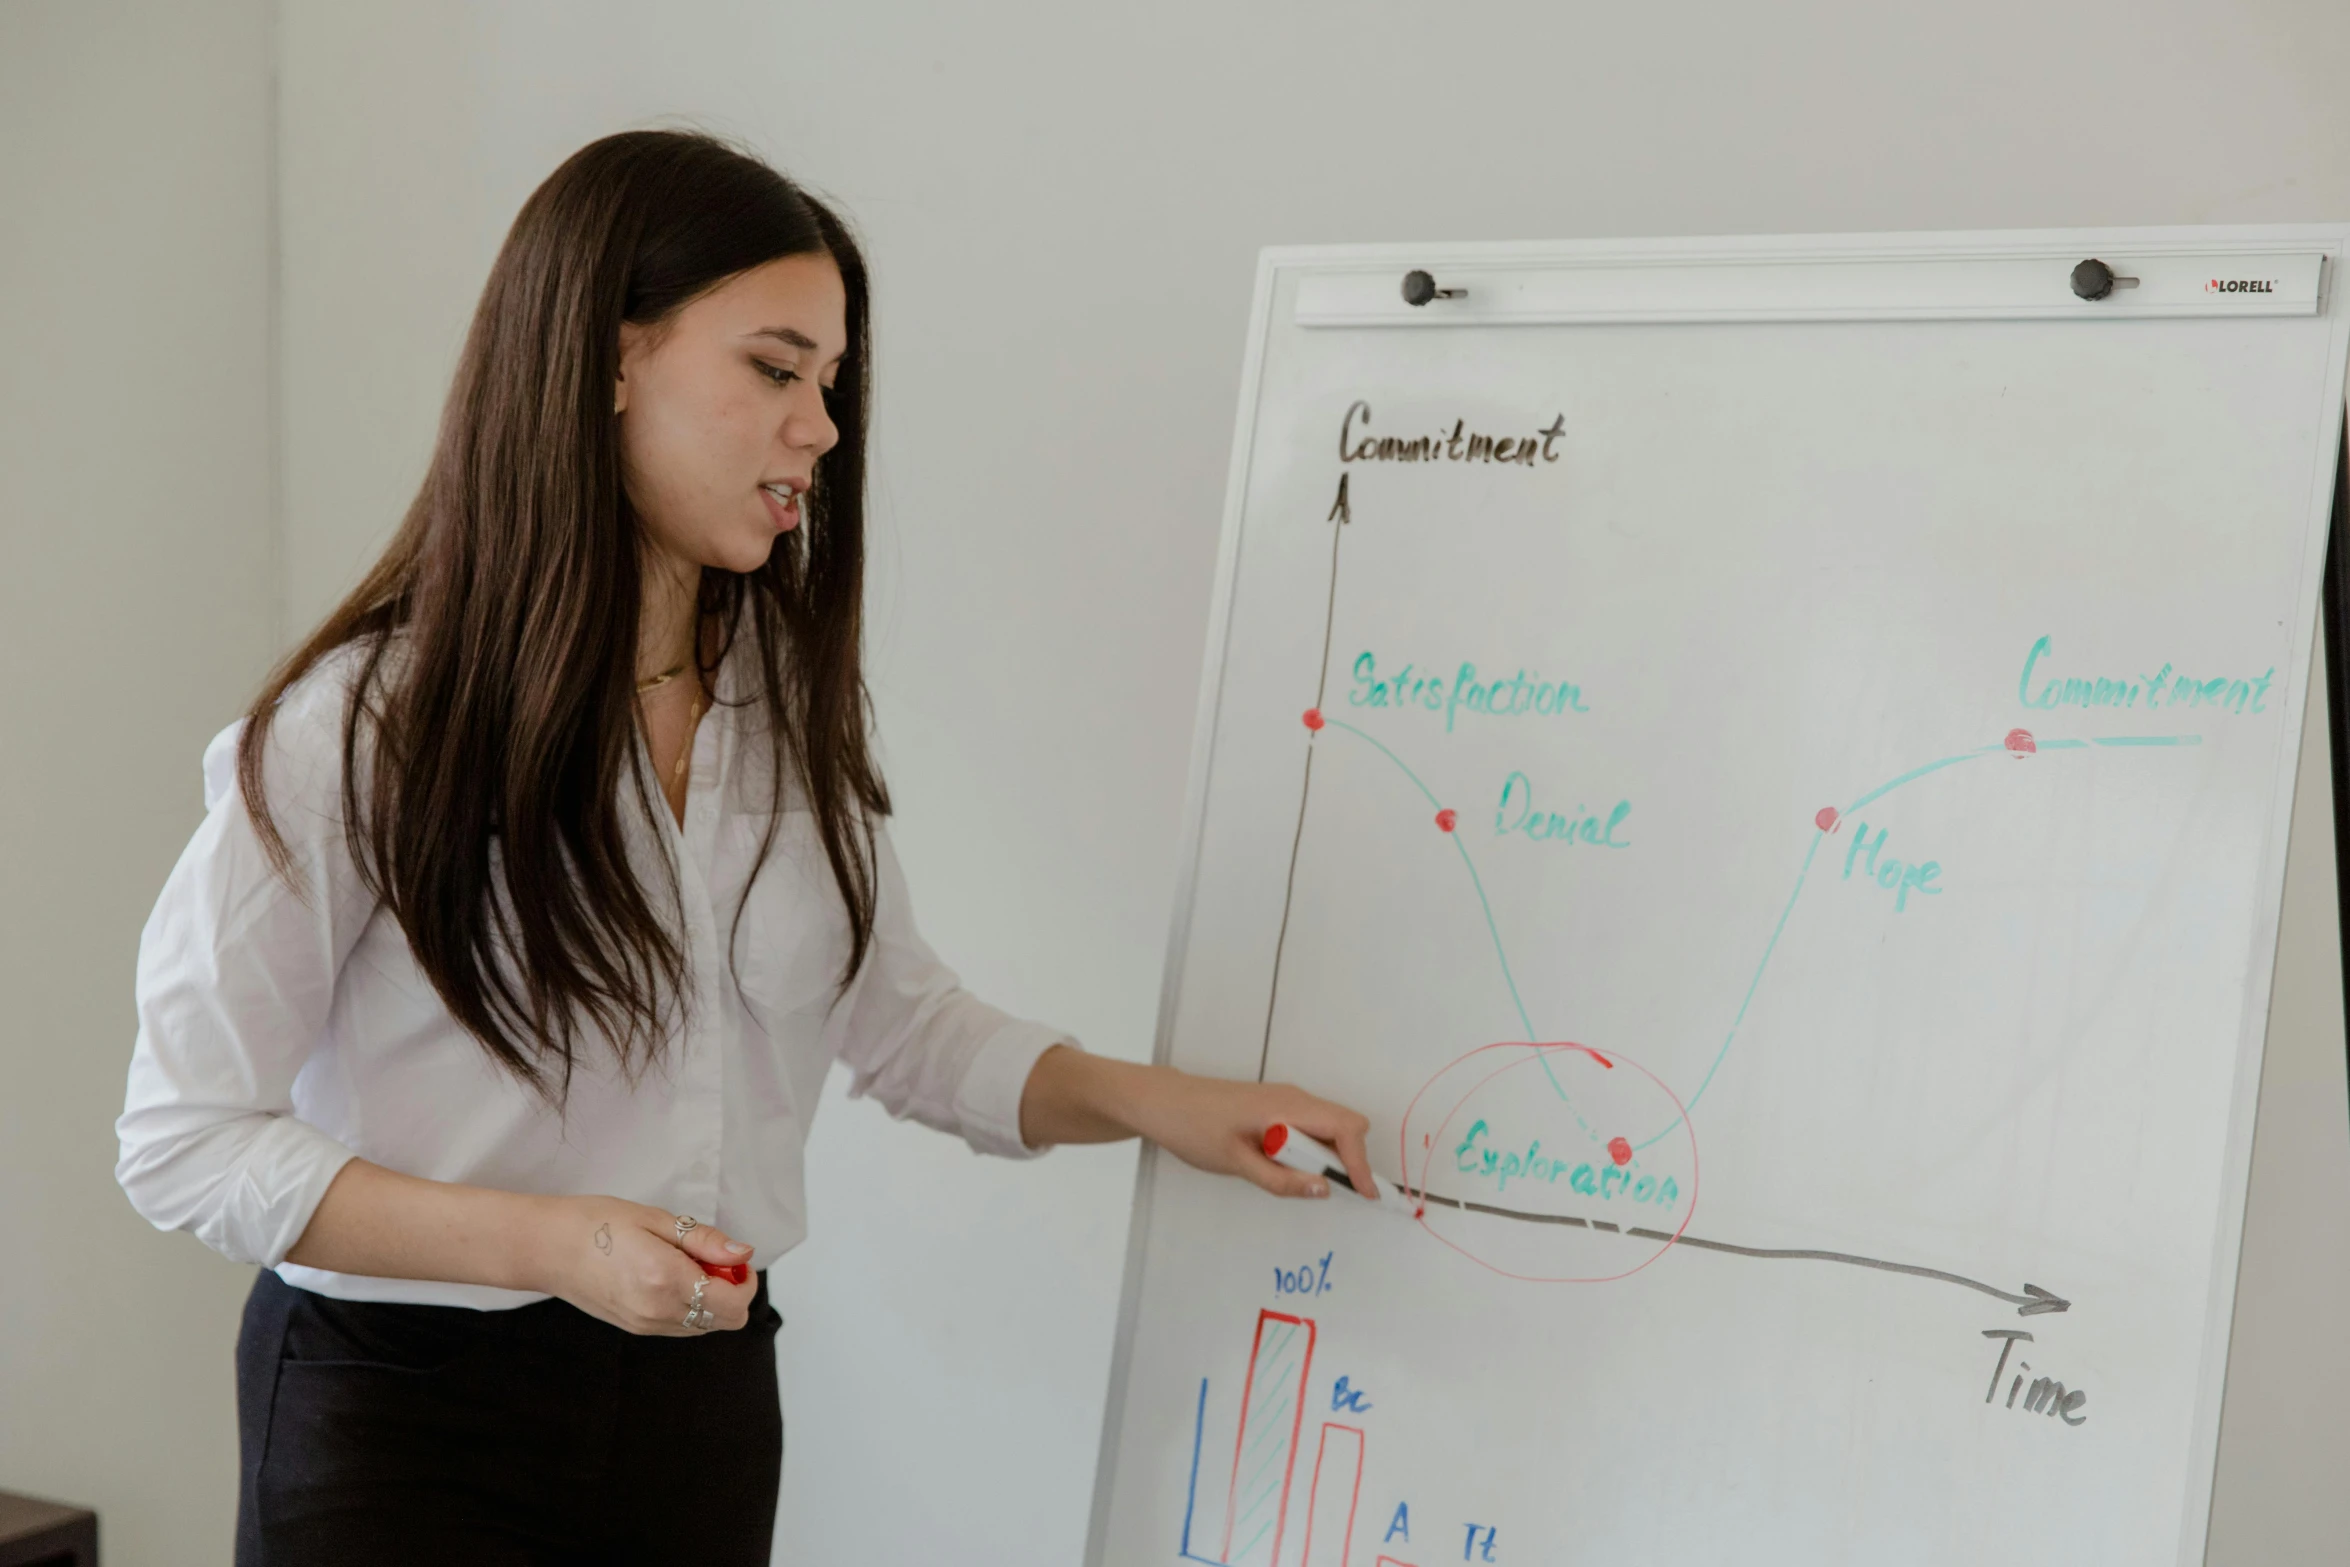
(1476, 1156)
(1459, 444)
(1516, 814)
(1513, 696)
(2166, 687)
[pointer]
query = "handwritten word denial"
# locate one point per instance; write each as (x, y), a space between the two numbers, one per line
(1516, 813)
(1356, 443)
(2166, 687)
(1509, 696)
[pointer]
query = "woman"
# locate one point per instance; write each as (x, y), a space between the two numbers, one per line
(536, 893)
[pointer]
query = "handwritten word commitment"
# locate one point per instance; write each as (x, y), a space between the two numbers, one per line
(1460, 444)
(1510, 697)
(2166, 687)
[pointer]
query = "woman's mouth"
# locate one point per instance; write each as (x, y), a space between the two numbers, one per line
(783, 504)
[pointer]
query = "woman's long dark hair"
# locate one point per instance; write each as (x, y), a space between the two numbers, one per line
(504, 726)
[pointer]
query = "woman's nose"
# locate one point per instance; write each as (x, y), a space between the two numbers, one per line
(812, 428)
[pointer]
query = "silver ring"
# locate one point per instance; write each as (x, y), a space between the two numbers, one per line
(685, 1222)
(695, 1314)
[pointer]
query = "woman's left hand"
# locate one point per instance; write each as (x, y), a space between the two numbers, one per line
(1210, 1123)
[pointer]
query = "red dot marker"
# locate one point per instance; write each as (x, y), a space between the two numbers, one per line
(1314, 719)
(1827, 819)
(2020, 742)
(1619, 1150)
(1445, 818)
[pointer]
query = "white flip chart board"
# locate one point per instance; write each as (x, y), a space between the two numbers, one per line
(1762, 766)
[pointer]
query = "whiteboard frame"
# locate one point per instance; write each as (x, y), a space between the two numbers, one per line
(2329, 241)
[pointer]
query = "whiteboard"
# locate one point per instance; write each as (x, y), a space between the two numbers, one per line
(1761, 765)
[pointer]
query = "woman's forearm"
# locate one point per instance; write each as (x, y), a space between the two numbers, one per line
(1210, 1123)
(625, 1263)
(381, 1223)
(1073, 1096)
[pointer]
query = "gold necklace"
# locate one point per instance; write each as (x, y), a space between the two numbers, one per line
(693, 716)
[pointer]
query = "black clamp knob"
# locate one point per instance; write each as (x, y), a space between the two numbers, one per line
(1419, 288)
(2093, 279)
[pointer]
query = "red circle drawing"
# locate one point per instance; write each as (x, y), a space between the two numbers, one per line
(1314, 719)
(1560, 1234)
(1826, 820)
(1619, 1150)
(2020, 742)
(1445, 818)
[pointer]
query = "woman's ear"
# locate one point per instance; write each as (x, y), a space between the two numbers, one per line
(631, 339)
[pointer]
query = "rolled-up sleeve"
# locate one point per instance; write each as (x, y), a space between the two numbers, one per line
(924, 1046)
(236, 978)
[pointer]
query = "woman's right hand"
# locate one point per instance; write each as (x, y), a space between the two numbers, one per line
(620, 1262)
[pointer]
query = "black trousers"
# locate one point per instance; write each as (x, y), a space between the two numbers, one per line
(375, 1432)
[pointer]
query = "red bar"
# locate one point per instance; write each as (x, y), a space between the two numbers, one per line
(1272, 1414)
(1338, 1504)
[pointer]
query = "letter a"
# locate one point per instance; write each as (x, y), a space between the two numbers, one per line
(1339, 510)
(1400, 1526)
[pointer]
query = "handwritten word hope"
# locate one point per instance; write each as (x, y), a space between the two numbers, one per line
(1899, 877)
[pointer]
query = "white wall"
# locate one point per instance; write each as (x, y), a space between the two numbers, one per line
(1063, 201)
(137, 610)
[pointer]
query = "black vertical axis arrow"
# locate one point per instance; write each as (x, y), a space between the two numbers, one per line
(1341, 514)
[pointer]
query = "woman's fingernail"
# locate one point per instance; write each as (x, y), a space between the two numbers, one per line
(737, 1247)
(1318, 1189)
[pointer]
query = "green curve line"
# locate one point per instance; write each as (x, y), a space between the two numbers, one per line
(1483, 902)
(1819, 838)
(1785, 914)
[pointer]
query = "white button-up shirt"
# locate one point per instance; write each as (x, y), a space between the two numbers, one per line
(282, 1032)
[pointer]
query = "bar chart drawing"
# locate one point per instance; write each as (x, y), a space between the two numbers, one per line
(1266, 1453)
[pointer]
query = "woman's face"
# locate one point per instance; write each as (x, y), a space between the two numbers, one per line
(722, 411)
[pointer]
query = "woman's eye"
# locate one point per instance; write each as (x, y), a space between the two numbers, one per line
(776, 373)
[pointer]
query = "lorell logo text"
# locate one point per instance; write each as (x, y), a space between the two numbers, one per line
(2240, 285)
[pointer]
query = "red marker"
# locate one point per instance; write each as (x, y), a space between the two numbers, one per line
(731, 1272)
(1286, 1145)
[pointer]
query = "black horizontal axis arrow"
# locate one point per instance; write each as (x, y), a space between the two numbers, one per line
(2033, 1302)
